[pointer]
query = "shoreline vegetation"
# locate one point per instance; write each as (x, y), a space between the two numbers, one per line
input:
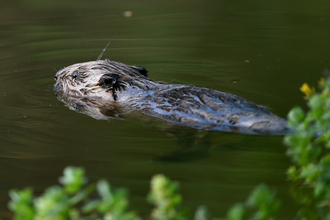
(308, 148)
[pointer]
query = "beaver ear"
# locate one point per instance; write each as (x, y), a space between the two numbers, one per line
(143, 71)
(107, 81)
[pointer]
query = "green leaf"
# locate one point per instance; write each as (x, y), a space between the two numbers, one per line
(80, 196)
(73, 179)
(237, 212)
(21, 204)
(326, 159)
(91, 206)
(201, 213)
(295, 117)
(104, 189)
(54, 202)
(319, 188)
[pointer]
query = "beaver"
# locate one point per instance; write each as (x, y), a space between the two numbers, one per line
(96, 85)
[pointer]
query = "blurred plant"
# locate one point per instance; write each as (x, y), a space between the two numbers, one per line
(71, 201)
(309, 148)
(164, 196)
(262, 204)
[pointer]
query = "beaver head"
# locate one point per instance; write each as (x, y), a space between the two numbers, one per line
(101, 79)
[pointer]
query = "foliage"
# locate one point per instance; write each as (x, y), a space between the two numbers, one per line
(72, 200)
(262, 204)
(164, 195)
(308, 147)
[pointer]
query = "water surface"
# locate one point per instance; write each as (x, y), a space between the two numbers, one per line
(260, 50)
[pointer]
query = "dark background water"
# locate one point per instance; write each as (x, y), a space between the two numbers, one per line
(260, 50)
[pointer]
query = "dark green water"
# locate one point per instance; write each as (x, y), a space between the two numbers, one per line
(260, 50)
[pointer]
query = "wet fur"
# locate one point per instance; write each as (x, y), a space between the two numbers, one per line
(106, 81)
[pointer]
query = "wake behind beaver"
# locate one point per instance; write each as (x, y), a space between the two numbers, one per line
(96, 84)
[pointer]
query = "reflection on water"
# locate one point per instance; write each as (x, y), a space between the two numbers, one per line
(204, 43)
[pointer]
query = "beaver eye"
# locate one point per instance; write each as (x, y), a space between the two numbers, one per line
(75, 75)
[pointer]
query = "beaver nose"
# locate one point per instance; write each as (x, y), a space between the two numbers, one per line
(55, 78)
